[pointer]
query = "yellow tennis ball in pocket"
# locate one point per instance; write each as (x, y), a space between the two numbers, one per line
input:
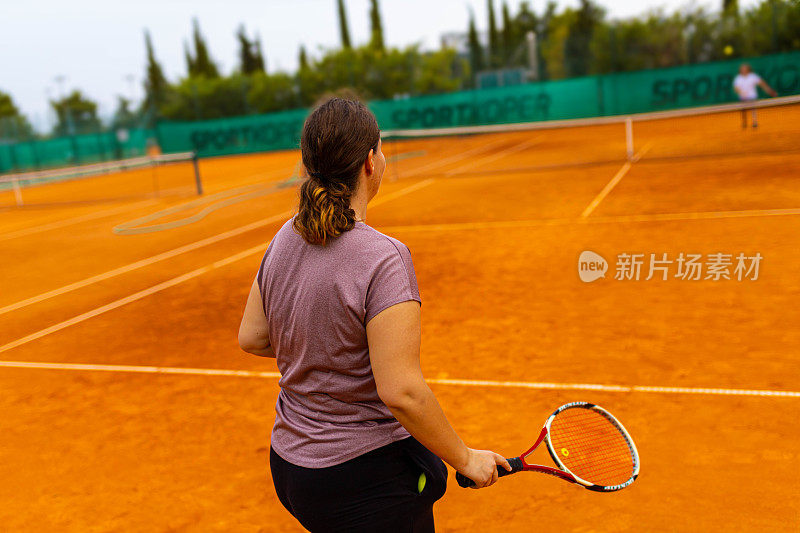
(421, 483)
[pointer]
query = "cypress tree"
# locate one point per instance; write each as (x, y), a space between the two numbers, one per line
(247, 59)
(343, 29)
(494, 44)
(376, 40)
(155, 83)
(204, 65)
(475, 48)
(508, 43)
(302, 58)
(260, 62)
(191, 69)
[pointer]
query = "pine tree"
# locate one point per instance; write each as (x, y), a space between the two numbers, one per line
(343, 29)
(302, 58)
(475, 48)
(494, 40)
(730, 6)
(155, 83)
(376, 40)
(203, 64)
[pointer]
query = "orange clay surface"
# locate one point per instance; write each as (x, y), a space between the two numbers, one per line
(495, 228)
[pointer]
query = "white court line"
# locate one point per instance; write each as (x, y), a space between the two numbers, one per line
(614, 181)
(74, 220)
(183, 249)
(546, 222)
(435, 381)
(143, 262)
(129, 299)
(174, 281)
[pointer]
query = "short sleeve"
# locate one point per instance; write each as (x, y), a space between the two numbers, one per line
(261, 274)
(393, 282)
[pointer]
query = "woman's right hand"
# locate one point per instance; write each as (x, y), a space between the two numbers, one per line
(482, 466)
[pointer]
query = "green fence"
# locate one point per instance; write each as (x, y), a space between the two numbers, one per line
(254, 133)
(614, 94)
(692, 85)
(73, 150)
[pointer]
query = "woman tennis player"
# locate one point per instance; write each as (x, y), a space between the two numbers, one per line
(358, 435)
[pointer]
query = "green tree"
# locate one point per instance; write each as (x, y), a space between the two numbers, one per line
(76, 113)
(13, 124)
(545, 27)
(156, 87)
(124, 117)
(344, 30)
(476, 56)
(201, 63)
(258, 52)
(577, 47)
(494, 38)
(508, 40)
(250, 58)
(730, 6)
(187, 56)
(302, 58)
(376, 39)
(772, 26)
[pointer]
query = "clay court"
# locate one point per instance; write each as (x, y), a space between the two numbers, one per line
(127, 404)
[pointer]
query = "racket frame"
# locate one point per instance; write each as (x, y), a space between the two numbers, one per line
(519, 464)
(562, 471)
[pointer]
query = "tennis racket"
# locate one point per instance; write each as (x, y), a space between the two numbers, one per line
(589, 446)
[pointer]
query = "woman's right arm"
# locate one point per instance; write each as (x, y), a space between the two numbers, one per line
(393, 336)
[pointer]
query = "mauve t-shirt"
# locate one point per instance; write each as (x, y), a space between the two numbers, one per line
(318, 300)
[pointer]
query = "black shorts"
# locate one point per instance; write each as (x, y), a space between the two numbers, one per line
(374, 492)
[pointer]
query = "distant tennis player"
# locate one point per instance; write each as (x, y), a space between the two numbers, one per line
(358, 434)
(746, 85)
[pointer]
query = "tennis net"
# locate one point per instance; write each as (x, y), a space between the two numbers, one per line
(156, 175)
(705, 132)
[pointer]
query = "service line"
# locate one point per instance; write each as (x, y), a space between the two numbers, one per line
(698, 391)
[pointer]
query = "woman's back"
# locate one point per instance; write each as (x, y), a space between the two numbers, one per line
(318, 300)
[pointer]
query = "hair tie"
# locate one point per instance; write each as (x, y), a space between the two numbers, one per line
(316, 175)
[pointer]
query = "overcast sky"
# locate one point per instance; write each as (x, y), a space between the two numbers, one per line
(97, 45)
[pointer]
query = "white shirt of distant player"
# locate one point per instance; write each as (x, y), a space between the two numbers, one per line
(747, 85)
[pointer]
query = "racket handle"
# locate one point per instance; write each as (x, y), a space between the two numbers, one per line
(516, 466)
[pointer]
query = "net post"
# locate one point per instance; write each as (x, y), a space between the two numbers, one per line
(17, 191)
(629, 137)
(197, 179)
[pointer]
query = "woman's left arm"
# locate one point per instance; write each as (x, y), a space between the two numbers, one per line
(254, 329)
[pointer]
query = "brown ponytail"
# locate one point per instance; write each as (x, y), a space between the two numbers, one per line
(337, 138)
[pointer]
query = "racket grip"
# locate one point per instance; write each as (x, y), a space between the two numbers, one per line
(516, 466)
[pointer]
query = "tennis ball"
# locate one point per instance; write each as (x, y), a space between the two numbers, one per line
(421, 483)
(728, 50)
